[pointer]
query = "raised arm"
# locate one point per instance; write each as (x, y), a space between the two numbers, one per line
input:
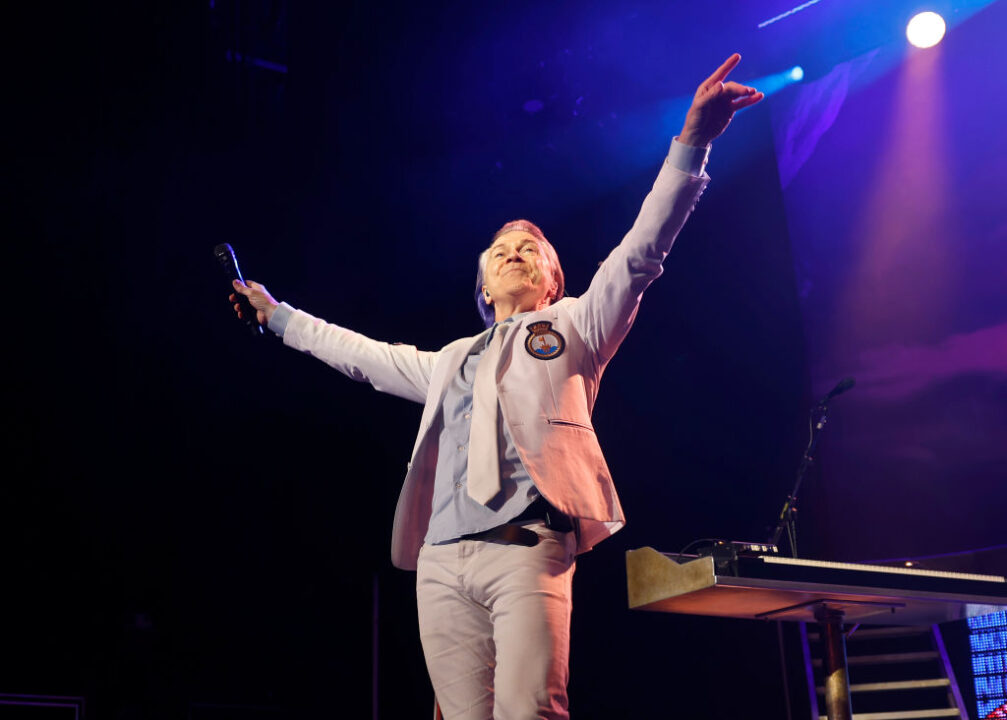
(606, 311)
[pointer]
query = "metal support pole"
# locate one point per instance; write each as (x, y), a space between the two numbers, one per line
(838, 705)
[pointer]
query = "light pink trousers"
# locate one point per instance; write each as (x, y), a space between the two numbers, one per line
(495, 626)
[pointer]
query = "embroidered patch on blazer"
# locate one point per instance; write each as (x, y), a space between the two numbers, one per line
(543, 342)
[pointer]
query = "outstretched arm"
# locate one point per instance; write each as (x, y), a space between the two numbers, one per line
(400, 370)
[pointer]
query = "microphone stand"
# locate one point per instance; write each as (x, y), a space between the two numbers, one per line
(829, 616)
(788, 520)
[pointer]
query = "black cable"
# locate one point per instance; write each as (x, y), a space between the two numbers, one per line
(712, 541)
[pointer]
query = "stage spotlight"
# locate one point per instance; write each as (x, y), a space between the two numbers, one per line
(770, 84)
(925, 29)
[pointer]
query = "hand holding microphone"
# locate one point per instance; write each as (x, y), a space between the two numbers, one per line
(252, 302)
(257, 298)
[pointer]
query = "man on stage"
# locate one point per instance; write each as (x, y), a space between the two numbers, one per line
(507, 482)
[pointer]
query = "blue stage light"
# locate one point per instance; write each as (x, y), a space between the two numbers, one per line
(770, 84)
(925, 29)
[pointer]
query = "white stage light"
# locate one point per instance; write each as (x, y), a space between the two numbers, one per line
(925, 30)
(797, 73)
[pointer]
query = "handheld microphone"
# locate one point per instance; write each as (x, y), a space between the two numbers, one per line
(229, 263)
(841, 387)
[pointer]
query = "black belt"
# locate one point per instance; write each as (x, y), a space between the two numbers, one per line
(507, 534)
(512, 533)
(542, 510)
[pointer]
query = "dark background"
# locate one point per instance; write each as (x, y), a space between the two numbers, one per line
(192, 516)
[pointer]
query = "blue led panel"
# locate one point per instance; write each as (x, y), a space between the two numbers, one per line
(988, 642)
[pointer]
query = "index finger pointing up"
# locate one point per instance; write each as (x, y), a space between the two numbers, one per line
(722, 72)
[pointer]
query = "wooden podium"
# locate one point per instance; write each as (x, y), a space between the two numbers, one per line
(768, 587)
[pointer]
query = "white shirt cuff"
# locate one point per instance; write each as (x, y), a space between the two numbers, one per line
(687, 158)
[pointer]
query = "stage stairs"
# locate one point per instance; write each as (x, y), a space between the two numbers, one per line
(896, 673)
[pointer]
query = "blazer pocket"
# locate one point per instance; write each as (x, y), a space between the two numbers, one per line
(569, 423)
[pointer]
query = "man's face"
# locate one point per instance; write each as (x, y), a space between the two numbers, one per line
(518, 270)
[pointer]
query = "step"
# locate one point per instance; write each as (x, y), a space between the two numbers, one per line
(904, 714)
(895, 685)
(888, 658)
